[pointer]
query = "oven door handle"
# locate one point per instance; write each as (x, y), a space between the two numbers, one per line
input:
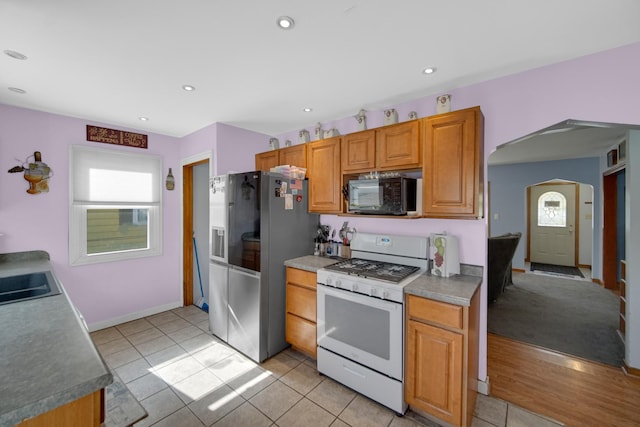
(359, 298)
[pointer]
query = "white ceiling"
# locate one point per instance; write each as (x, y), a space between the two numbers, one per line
(114, 61)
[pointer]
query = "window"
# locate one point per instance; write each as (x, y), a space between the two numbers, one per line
(552, 210)
(114, 211)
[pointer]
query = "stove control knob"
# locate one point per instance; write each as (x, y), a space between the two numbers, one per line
(373, 292)
(338, 283)
(354, 287)
(385, 294)
(329, 281)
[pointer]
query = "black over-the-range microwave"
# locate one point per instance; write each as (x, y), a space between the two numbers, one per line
(382, 196)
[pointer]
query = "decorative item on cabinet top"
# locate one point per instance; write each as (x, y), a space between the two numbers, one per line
(361, 118)
(274, 143)
(304, 136)
(443, 104)
(413, 115)
(331, 133)
(37, 173)
(390, 116)
(319, 132)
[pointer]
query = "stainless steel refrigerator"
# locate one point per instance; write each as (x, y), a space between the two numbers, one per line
(258, 220)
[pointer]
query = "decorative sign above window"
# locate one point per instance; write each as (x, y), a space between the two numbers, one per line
(117, 137)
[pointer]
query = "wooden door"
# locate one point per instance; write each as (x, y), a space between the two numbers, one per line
(323, 170)
(296, 155)
(453, 164)
(433, 380)
(553, 224)
(398, 146)
(265, 161)
(358, 151)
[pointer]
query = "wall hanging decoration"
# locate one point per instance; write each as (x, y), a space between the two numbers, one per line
(304, 136)
(36, 173)
(361, 118)
(117, 137)
(390, 116)
(170, 181)
(443, 104)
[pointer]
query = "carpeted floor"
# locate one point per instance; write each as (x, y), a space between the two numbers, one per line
(556, 269)
(577, 317)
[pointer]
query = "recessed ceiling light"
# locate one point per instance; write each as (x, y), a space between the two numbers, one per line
(15, 55)
(285, 22)
(429, 70)
(307, 110)
(143, 119)
(188, 88)
(17, 90)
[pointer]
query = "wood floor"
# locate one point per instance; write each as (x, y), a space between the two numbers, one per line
(566, 388)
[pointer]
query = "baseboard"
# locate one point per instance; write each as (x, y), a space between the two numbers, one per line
(587, 266)
(484, 387)
(133, 316)
(597, 282)
(628, 370)
(518, 270)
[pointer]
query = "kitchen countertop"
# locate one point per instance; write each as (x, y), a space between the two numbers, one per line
(311, 263)
(47, 358)
(458, 289)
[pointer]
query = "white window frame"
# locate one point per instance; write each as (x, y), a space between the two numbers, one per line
(78, 212)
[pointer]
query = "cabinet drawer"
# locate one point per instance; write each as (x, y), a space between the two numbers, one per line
(301, 334)
(435, 312)
(301, 302)
(301, 277)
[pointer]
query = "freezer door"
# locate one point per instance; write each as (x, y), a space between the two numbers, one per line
(244, 313)
(219, 300)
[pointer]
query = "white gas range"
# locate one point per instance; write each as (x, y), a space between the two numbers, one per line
(360, 315)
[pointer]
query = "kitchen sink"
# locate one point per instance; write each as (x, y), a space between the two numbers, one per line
(27, 286)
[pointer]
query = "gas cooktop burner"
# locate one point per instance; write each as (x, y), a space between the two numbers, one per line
(374, 269)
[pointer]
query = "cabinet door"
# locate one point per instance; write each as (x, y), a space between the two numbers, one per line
(433, 371)
(323, 170)
(301, 334)
(358, 152)
(398, 146)
(265, 161)
(296, 155)
(453, 164)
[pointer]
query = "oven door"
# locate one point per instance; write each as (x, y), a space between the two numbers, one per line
(364, 329)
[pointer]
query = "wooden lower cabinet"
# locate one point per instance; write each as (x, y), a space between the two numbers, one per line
(87, 411)
(300, 330)
(441, 368)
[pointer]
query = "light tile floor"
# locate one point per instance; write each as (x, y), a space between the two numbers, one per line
(184, 376)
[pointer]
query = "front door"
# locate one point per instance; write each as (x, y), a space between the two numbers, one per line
(552, 224)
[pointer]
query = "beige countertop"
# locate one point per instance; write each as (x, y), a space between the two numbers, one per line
(47, 358)
(311, 263)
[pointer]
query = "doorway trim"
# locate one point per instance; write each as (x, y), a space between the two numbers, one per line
(187, 221)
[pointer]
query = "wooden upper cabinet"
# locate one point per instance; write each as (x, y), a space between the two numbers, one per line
(323, 171)
(398, 146)
(392, 147)
(358, 151)
(296, 155)
(453, 164)
(265, 161)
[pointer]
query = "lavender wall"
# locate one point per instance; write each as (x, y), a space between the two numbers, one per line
(102, 292)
